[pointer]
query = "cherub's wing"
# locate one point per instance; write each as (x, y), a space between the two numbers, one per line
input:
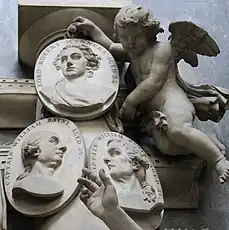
(190, 40)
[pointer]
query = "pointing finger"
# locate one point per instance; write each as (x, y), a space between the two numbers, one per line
(104, 178)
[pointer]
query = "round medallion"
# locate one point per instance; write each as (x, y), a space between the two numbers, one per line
(76, 78)
(43, 165)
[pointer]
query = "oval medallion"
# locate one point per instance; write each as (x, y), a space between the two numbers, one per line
(43, 165)
(130, 170)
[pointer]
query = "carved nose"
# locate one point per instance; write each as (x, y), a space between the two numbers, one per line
(63, 149)
(69, 63)
(106, 160)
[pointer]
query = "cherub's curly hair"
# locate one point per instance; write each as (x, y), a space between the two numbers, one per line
(93, 60)
(137, 15)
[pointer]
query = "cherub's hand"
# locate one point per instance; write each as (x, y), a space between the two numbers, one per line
(80, 24)
(128, 110)
(98, 194)
(71, 31)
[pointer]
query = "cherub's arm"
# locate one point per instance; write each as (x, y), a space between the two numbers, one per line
(86, 25)
(116, 49)
(162, 61)
(100, 37)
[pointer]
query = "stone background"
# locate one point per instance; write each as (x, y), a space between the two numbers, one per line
(213, 15)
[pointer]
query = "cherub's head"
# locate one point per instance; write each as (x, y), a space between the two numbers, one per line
(75, 60)
(135, 28)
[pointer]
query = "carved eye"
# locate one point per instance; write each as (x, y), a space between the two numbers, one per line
(55, 140)
(115, 152)
(76, 56)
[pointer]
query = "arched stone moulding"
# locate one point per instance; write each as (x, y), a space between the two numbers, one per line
(34, 14)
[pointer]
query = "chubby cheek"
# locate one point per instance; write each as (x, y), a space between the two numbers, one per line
(123, 42)
(141, 43)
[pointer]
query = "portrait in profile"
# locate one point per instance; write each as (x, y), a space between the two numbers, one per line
(41, 154)
(127, 169)
(74, 91)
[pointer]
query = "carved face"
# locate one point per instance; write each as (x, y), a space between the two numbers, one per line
(51, 151)
(118, 161)
(73, 63)
(133, 40)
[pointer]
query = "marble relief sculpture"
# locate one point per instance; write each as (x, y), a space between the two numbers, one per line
(165, 103)
(42, 166)
(77, 81)
(100, 196)
(42, 153)
(129, 169)
(77, 64)
(76, 78)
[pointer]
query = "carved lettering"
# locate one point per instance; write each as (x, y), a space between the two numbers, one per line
(38, 77)
(81, 151)
(77, 136)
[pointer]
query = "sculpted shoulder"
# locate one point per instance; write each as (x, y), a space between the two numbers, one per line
(163, 51)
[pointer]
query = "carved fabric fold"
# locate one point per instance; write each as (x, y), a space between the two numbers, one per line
(210, 101)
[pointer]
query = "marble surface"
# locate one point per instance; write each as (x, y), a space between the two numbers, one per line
(213, 15)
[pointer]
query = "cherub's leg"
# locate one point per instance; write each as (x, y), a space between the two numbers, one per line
(181, 132)
(156, 127)
(166, 145)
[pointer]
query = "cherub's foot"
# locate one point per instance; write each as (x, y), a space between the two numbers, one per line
(222, 169)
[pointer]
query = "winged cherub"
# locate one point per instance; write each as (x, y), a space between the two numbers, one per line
(166, 101)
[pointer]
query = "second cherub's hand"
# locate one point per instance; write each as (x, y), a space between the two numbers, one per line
(98, 194)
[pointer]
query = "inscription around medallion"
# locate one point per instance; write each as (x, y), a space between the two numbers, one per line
(122, 158)
(95, 86)
(65, 140)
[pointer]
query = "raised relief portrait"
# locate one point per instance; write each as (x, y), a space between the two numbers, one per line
(127, 170)
(42, 153)
(73, 81)
(42, 166)
(77, 64)
(132, 174)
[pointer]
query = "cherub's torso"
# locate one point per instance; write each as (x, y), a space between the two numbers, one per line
(141, 70)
